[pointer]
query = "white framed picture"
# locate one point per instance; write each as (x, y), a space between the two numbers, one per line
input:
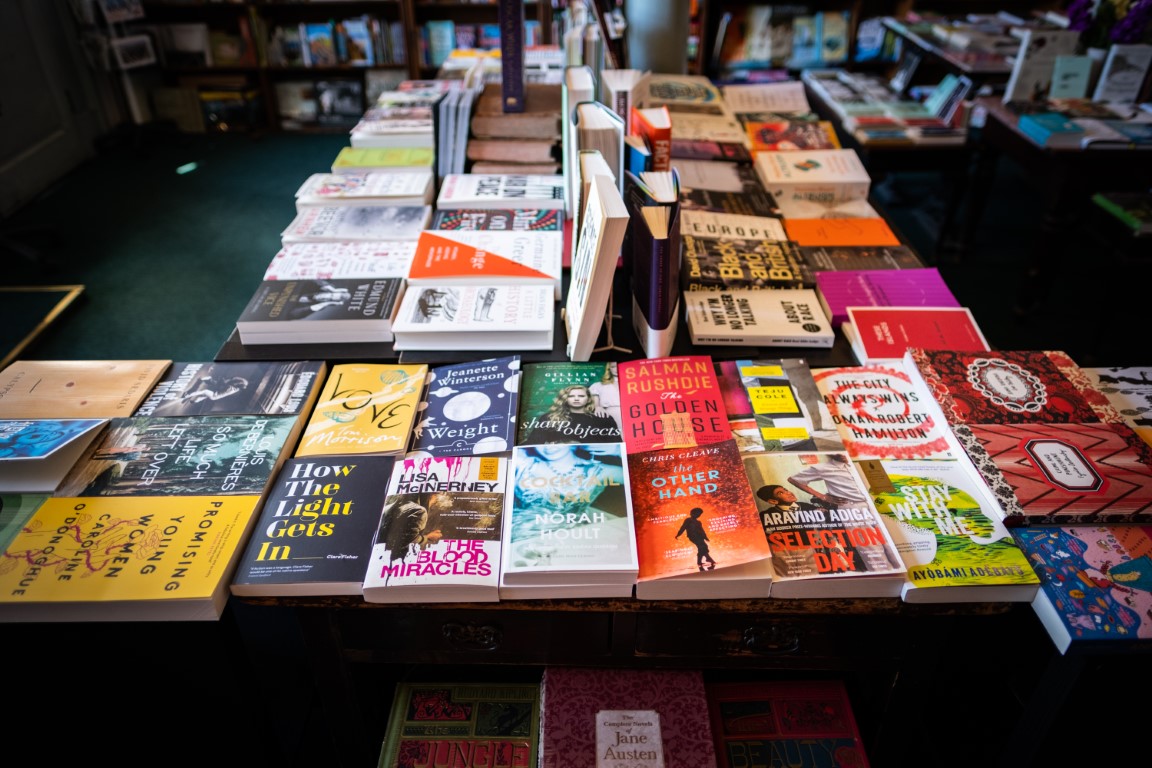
(117, 11)
(133, 51)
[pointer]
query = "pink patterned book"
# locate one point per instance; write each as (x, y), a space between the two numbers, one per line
(841, 289)
(572, 698)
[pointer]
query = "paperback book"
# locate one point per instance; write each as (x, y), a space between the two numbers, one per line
(819, 258)
(483, 317)
(478, 257)
(787, 317)
(76, 389)
(391, 159)
(314, 532)
(315, 311)
(339, 223)
(713, 185)
(439, 534)
(376, 188)
(923, 287)
(881, 335)
(501, 219)
(475, 190)
(569, 402)
(813, 174)
(468, 409)
(826, 537)
(356, 259)
(36, 454)
(671, 402)
(852, 231)
(230, 388)
(785, 406)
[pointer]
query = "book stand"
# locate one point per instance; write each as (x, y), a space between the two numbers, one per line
(611, 342)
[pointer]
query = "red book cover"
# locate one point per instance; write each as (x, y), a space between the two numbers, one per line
(571, 698)
(797, 722)
(693, 510)
(654, 124)
(883, 334)
(671, 402)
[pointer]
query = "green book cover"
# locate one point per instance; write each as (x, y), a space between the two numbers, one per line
(569, 402)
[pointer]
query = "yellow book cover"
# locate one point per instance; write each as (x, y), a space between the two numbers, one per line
(76, 389)
(364, 408)
(128, 558)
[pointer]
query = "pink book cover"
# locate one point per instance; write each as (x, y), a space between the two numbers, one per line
(885, 333)
(1062, 474)
(882, 288)
(671, 402)
(571, 697)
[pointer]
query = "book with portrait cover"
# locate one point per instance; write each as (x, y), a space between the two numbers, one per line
(785, 722)
(697, 532)
(497, 723)
(573, 697)
(315, 528)
(947, 528)
(313, 311)
(826, 537)
(364, 408)
(569, 402)
(439, 534)
(351, 259)
(238, 387)
(201, 455)
(71, 561)
(469, 408)
(338, 223)
(785, 405)
(568, 518)
(76, 389)
(671, 402)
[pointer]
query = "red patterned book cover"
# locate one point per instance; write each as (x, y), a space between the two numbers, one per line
(671, 402)
(571, 699)
(806, 723)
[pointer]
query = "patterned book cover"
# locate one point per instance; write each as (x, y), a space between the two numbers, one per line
(439, 534)
(826, 537)
(510, 219)
(315, 528)
(671, 402)
(1129, 391)
(1095, 583)
(881, 412)
(693, 511)
(469, 408)
(572, 698)
(355, 259)
(947, 528)
(569, 402)
(786, 405)
(806, 723)
(185, 456)
(231, 388)
(364, 408)
(569, 517)
(436, 723)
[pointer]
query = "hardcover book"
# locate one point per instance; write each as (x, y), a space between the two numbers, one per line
(785, 405)
(671, 402)
(439, 535)
(695, 517)
(475, 190)
(483, 317)
(475, 257)
(788, 317)
(341, 260)
(230, 388)
(71, 560)
(497, 723)
(364, 408)
(311, 311)
(314, 532)
(826, 537)
(569, 402)
(572, 699)
(568, 517)
(202, 455)
(36, 454)
(1094, 584)
(539, 119)
(76, 389)
(1129, 391)
(513, 219)
(376, 188)
(883, 412)
(948, 530)
(881, 335)
(338, 223)
(654, 243)
(796, 722)
(841, 289)
(468, 408)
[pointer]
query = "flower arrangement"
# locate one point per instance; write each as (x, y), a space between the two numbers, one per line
(1104, 22)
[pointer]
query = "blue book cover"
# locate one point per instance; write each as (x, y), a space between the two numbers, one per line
(36, 454)
(1050, 128)
(469, 408)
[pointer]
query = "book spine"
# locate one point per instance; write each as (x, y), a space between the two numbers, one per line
(511, 15)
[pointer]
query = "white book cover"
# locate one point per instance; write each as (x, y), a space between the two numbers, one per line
(818, 174)
(1123, 73)
(439, 537)
(786, 317)
(472, 256)
(499, 317)
(351, 258)
(1032, 69)
(399, 188)
(481, 190)
(713, 225)
(781, 98)
(605, 221)
(334, 223)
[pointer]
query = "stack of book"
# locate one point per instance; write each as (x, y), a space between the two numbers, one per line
(526, 142)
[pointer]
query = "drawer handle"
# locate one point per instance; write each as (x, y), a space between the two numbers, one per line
(772, 640)
(473, 637)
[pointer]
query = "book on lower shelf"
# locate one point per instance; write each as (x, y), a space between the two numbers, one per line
(793, 722)
(484, 316)
(786, 317)
(318, 311)
(497, 722)
(440, 531)
(881, 335)
(315, 528)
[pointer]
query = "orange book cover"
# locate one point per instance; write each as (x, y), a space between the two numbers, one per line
(493, 256)
(654, 125)
(871, 231)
